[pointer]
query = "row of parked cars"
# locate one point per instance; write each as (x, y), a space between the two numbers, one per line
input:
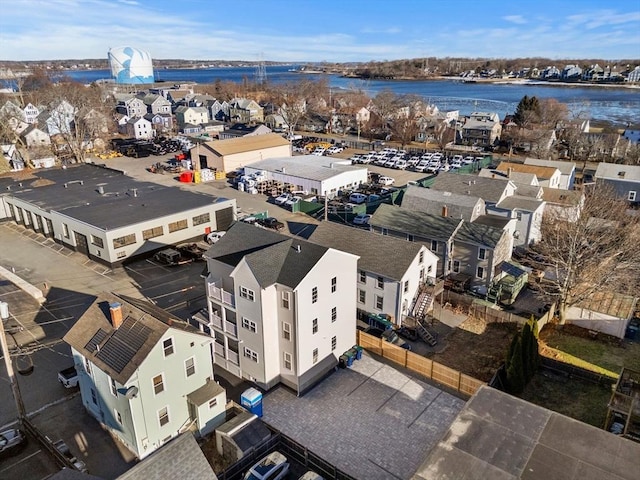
(402, 160)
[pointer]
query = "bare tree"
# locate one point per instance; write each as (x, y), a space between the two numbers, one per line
(597, 251)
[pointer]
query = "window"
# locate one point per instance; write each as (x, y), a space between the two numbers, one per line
(114, 388)
(65, 230)
(434, 246)
(362, 296)
(334, 342)
(379, 302)
(632, 196)
(213, 402)
(179, 225)
(124, 241)
(94, 397)
(285, 299)
(287, 360)
(116, 414)
(190, 366)
(430, 269)
(519, 216)
(152, 233)
(286, 331)
(334, 284)
(456, 266)
(480, 272)
(406, 286)
(87, 366)
(422, 273)
(315, 355)
(482, 253)
(334, 314)
(314, 327)
(163, 416)
(363, 277)
(314, 294)
(410, 237)
(421, 257)
(379, 282)
(249, 324)
(167, 346)
(158, 384)
(246, 293)
(200, 219)
(97, 241)
(250, 354)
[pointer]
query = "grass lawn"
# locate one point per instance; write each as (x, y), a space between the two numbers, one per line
(575, 398)
(603, 354)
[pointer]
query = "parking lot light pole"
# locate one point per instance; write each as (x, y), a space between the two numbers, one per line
(15, 389)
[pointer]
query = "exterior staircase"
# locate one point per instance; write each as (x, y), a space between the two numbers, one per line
(424, 334)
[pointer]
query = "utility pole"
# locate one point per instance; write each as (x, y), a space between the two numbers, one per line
(15, 389)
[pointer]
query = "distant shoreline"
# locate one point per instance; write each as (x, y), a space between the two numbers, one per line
(505, 81)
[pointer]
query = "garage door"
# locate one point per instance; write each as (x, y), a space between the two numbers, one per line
(224, 218)
(81, 243)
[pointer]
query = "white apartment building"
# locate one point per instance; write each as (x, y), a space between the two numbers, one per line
(280, 309)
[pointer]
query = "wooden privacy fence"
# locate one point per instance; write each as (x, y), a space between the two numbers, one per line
(417, 363)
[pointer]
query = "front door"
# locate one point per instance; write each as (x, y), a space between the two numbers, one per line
(81, 243)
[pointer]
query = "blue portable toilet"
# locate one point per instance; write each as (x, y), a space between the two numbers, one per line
(251, 399)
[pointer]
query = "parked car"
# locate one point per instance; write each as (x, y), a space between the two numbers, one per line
(357, 198)
(334, 149)
(281, 199)
(361, 219)
(68, 377)
(62, 447)
(386, 180)
(193, 250)
(213, 237)
(11, 441)
(311, 475)
(171, 257)
(272, 467)
(271, 222)
(292, 201)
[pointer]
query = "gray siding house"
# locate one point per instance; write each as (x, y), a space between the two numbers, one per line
(623, 179)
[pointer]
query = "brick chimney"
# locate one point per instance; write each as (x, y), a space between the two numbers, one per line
(116, 314)
(445, 211)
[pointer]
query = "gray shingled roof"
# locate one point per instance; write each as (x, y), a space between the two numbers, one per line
(83, 202)
(121, 350)
(489, 189)
(379, 254)
(533, 191)
(415, 223)
(479, 234)
(272, 257)
(206, 392)
(180, 459)
(431, 201)
(565, 166)
(518, 202)
(611, 171)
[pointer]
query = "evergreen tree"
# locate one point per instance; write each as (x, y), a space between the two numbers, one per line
(515, 372)
(527, 111)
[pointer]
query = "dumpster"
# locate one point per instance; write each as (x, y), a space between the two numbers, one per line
(358, 350)
(342, 361)
(251, 399)
(186, 177)
(350, 357)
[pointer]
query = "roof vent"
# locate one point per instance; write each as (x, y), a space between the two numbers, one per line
(100, 189)
(620, 174)
(297, 248)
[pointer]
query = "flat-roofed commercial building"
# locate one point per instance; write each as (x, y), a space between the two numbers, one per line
(109, 216)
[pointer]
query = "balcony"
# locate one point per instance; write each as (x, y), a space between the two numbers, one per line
(233, 357)
(218, 348)
(231, 328)
(215, 291)
(216, 321)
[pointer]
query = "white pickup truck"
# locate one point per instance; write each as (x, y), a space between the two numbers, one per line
(68, 377)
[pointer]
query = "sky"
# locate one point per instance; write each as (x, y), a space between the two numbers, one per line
(296, 31)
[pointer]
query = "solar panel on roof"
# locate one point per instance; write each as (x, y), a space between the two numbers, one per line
(511, 269)
(96, 340)
(125, 342)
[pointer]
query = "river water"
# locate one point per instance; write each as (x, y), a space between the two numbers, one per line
(616, 105)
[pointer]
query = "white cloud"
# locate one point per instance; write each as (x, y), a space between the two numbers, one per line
(519, 19)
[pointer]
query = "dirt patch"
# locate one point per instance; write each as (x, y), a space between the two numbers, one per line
(476, 348)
